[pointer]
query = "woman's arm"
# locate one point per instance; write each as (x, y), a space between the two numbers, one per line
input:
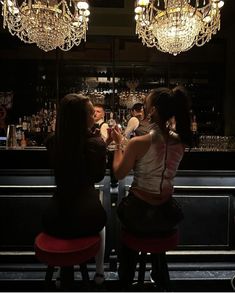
(123, 162)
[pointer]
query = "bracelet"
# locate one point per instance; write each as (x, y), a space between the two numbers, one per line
(118, 146)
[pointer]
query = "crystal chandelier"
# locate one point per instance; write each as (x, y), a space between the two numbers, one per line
(47, 23)
(131, 96)
(175, 26)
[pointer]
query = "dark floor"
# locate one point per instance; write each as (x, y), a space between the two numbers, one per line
(190, 278)
(112, 286)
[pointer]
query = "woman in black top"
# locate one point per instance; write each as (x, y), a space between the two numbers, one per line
(78, 159)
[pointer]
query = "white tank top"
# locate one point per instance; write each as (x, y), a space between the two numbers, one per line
(155, 171)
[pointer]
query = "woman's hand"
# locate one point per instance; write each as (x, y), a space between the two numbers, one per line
(116, 135)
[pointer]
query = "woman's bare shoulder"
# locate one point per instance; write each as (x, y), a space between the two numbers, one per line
(142, 139)
(139, 145)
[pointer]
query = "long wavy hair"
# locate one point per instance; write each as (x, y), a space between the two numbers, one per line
(175, 103)
(70, 138)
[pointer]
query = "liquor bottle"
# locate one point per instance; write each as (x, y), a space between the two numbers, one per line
(111, 124)
(23, 142)
(37, 124)
(53, 123)
(195, 138)
(32, 123)
(19, 131)
(49, 126)
(24, 124)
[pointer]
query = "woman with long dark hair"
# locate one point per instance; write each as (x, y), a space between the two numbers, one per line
(149, 209)
(78, 158)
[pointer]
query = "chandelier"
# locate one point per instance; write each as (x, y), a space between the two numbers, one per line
(47, 23)
(175, 26)
(131, 96)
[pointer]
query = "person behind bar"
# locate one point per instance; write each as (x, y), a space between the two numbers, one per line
(100, 124)
(149, 209)
(144, 124)
(137, 112)
(100, 128)
(78, 158)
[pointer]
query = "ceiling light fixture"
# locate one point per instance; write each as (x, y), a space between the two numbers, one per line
(47, 23)
(175, 26)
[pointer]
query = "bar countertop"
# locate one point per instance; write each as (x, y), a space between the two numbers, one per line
(194, 159)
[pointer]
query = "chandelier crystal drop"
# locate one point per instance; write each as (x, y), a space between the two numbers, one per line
(175, 26)
(47, 23)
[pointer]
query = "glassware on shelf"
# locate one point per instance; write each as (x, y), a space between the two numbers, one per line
(11, 141)
(214, 143)
(97, 97)
(129, 98)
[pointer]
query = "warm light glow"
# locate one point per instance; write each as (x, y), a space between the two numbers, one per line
(47, 23)
(82, 5)
(142, 2)
(175, 26)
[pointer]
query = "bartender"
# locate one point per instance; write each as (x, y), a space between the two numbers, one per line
(100, 125)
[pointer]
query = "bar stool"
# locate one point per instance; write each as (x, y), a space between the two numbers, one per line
(66, 253)
(157, 246)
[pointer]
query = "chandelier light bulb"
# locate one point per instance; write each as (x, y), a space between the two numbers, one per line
(87, 12)
(221, 4)
(83, 5)
(207, 19)
(143, 2)
(47, 23)
(138, 9)
(175, 26)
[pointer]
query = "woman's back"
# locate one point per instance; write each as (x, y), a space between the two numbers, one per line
(155, 170)
(78, 159)
(75, 177)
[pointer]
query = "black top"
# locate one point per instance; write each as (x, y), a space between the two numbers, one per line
(75, 210)
(76, 177)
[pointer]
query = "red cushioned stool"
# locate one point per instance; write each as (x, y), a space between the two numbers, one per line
(157, 246)
(66, 253)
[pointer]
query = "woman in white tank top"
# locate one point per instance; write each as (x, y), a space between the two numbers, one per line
(149, 209)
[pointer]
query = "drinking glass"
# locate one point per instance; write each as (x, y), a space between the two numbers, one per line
(112, 146)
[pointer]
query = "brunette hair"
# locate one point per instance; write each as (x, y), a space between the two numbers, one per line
(99, 106)
(70, 136)
(171, 103)
(137, 107)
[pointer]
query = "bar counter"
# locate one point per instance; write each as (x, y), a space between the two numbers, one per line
(194, 159)
(204, 186)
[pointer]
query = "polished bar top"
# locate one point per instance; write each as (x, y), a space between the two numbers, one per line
(194, 159)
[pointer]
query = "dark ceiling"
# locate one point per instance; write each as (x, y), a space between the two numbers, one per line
(107, 3)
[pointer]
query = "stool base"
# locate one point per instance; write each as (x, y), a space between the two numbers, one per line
(66, 278)
(159, 273)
